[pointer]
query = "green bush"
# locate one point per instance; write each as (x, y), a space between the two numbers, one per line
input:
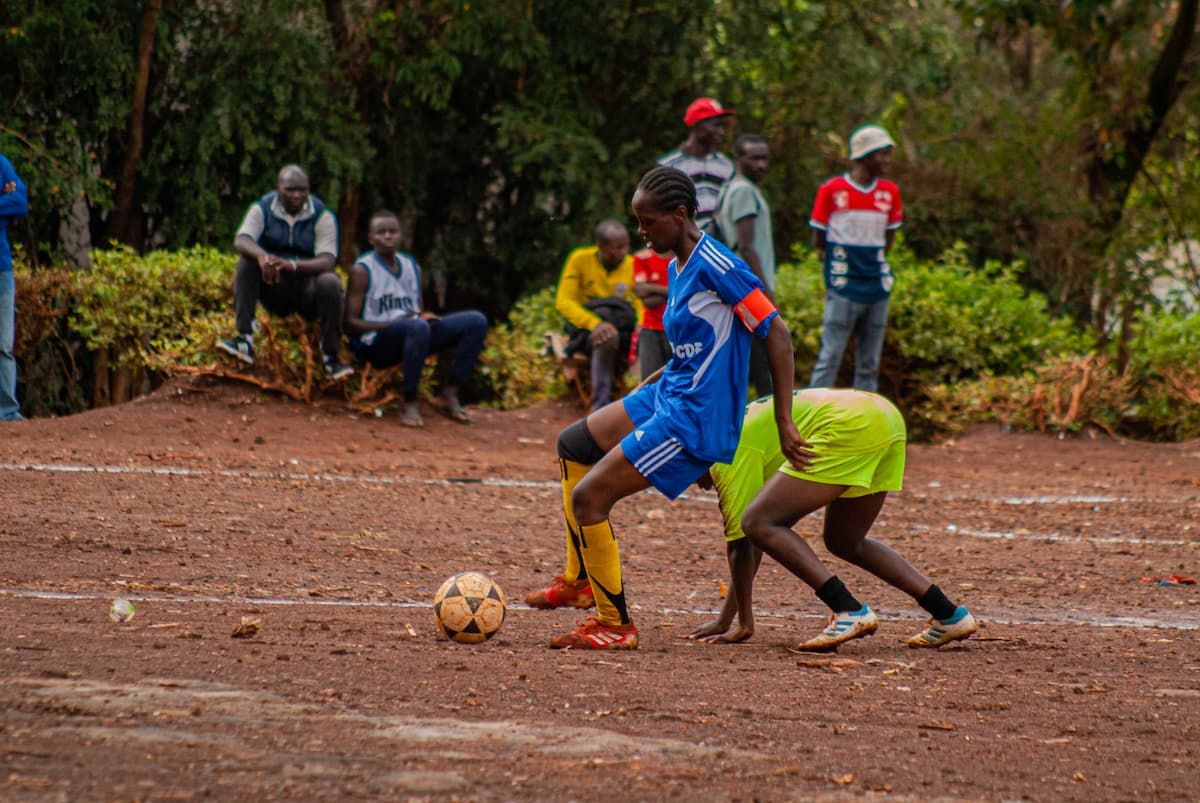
(513, 364)
(1156, 395)
(800, 297)
(951, 321)
(131, 304)
(1062, 395)
(1164, 369)
(964, 345)
(52, 375)
(948, 322)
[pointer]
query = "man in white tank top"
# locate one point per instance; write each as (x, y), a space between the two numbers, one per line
(388, 324)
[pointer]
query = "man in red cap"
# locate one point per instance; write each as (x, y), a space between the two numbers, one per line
(699, 156)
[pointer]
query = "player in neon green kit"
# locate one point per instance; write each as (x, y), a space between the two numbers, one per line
(857, 443)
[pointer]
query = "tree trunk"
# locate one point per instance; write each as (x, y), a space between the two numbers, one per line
(100, 387)
(75, 234)
(1111, 172)
(348, 210)
(119, 227)
(122, 385)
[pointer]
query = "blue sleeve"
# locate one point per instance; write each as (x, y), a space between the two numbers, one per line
(13, 204)
(734, 284)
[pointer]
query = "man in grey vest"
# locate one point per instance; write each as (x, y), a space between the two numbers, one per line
(288, 247)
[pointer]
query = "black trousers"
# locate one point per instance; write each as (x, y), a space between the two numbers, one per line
(315, 297)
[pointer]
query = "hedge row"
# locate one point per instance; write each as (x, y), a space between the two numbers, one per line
(965, 344)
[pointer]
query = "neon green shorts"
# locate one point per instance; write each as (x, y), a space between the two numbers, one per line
(858, 439)
(737, 484)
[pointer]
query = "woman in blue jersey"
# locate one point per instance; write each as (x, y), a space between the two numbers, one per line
(682, 419)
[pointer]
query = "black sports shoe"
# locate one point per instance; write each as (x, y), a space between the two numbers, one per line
(335, 369)
(240, 347)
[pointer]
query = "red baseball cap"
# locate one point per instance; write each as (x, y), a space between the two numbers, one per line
(704, 109)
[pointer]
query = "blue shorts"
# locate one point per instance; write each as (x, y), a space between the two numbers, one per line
(656, 455)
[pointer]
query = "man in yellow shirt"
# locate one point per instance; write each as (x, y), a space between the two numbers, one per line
(595, 295)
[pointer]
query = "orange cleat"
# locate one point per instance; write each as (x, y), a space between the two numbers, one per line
(562, 594)
(595, 635)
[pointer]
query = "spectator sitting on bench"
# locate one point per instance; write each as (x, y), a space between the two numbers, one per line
(388, 324)
(595, 295)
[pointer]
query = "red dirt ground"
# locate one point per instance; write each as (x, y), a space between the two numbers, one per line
(207, 503)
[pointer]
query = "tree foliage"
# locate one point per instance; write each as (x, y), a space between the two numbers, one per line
(498, 131)
(1061, 135)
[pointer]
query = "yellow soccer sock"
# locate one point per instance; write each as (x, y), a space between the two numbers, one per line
(603, 561)
(572, 473)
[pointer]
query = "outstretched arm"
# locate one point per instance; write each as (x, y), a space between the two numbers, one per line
(744, 560)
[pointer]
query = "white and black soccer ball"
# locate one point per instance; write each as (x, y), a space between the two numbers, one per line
(469, 608)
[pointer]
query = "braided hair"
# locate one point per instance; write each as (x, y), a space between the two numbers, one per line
(671, 189)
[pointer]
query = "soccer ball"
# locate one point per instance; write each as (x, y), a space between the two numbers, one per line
(121, 610)
(469, 608)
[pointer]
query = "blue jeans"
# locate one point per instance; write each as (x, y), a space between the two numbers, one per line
(868, 323)
(411, 340)
(10, 409)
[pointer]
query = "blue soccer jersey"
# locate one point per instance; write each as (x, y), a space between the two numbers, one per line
(715, 305)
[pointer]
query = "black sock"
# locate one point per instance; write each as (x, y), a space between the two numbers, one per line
(839, 599)
(936, 603)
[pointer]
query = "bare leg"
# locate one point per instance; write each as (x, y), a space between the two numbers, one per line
(609, 481)
(609, 424)
(768, 522)
(847, 522)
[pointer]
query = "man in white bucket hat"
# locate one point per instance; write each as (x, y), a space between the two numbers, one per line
(854, 220)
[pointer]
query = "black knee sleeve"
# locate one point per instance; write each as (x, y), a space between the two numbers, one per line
(576, 444)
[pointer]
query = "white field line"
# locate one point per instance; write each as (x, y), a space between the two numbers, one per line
(1008, 535)
(708, 497)
(1005, 616)
(503, 482)
(287, 476)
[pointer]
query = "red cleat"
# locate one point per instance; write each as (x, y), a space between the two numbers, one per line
(562, 594)
(595, 635)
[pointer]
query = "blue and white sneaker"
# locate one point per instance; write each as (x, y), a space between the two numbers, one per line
(240, 347)
(842, 627)
(944, 631)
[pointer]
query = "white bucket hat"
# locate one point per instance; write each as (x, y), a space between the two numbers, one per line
(868, 139)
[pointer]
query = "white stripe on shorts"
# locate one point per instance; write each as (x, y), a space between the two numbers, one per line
(657, 457)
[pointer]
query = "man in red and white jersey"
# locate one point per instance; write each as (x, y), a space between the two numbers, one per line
(854, 220)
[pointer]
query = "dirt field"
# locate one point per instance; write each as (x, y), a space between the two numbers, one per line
(205, 504)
